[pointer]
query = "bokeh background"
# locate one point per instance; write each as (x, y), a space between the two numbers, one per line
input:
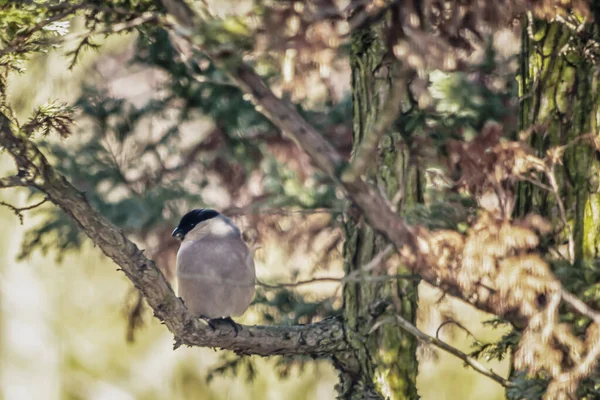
(70, 325)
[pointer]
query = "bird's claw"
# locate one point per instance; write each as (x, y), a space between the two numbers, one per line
(233, 324)
(212, 321)
(209, 321)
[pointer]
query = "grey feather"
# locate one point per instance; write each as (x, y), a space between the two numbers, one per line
(215, 270)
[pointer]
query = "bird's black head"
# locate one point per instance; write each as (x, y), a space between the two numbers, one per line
(190, 220)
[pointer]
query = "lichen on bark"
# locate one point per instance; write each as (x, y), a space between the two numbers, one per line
(559, 90)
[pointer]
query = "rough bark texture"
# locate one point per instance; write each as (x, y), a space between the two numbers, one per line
(561, 95)
(387, 355)
(560, 92)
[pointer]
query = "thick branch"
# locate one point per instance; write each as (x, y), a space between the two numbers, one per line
(320, 339)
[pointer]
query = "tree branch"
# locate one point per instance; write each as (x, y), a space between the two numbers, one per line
(368, 278)
(143, 18)
(19, 210)
(360, 275)
(320, 339)
(580, 306)
(11, 182)
(425, 338)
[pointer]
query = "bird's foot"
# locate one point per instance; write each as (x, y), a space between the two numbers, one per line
(209, 321)
(234, 325)
(227, 320)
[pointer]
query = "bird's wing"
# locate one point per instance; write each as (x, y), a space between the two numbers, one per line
(216, 276)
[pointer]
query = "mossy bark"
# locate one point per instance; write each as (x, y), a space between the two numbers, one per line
(560, 92)
(387, 355)
(560, 98)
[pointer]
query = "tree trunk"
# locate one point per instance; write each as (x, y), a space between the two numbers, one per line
(560, 92)
(560, 95)
(387, 355)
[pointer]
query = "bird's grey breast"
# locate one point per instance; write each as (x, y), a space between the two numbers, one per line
(222, 260)
(216, 276)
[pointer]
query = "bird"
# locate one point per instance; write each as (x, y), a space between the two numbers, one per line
(214, 270)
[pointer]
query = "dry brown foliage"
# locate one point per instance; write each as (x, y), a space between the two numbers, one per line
(497, 263)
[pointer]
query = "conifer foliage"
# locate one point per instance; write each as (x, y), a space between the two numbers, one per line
(504, 147)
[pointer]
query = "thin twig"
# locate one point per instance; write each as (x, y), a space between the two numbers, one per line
(19, 210)
(377, 278)
(535, 182)
(354, 275)
(279, 211)
(298, 283)
(378, 259)
(580, 306)
(561, 208)
(21, 38)
(375, 262)
(425, 338)
(461, 326)
(116, 28)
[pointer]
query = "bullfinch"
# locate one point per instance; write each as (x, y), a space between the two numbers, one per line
(215, 270)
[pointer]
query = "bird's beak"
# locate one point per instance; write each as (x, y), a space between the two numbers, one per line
(177, 233)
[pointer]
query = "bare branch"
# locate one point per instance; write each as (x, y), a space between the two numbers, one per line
(370, 278)
(461, 326)
(377, 260)
(425, 338)
(11, 182)
(561, 207)
(354, 276)
(115, 28)
(255, 209)
(320, 339)
(19, 210)
(580, 306)
(298, 283)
